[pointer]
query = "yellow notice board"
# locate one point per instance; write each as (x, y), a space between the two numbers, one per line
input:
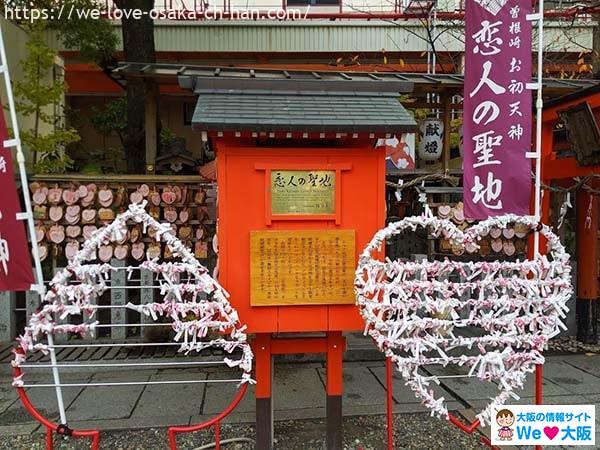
(302, 267)
(302, 192)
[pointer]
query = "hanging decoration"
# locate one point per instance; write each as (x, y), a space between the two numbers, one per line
(400, 152)
(416, 311)
(196, 305)
(431, 132)
(497, 108)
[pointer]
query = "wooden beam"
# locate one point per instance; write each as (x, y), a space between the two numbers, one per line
(112, 178)
(447, 117)
(428, 105)
(151, 126)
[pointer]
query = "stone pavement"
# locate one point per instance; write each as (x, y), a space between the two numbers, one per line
(299, 393)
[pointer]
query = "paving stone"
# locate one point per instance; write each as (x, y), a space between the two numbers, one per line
(159, 400)
(466, 388)
(219, 395)
(548, 387)
(235, 417)
(43, 399)
(571, 378)
(297, 388)
(403, 394)
(296, 366)
(293, 388)
(109, 402)
(11, 430)
(363, 363)
(8, 395)
(361, 387)
(589, 364)
(530, 400)
(132, 423)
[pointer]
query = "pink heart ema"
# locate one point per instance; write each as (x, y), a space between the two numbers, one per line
(551, 432)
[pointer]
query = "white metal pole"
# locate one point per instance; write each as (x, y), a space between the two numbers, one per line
(15, 143)
(538, 127)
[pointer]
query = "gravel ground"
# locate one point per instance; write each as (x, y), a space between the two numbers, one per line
(571, 345)
(413, 431)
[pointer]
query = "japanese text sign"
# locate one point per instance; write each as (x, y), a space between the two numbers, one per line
(15, 262)
(497, 108)
(302, 192)
(558, 425)
(313, 267)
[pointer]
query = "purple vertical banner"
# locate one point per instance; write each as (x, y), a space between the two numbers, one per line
(497, 108)
(15, 260)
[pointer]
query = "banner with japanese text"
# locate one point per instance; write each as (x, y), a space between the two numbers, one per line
(15, 261)
(497, 108)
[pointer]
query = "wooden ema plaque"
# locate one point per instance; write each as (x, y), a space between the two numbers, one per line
(302, 267)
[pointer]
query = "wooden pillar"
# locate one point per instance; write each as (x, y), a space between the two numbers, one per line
(587, 267)
(447, 118)
(335, 353)
(264, 398)
(151, 126)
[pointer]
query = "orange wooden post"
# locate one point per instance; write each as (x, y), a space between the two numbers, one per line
(587, 267)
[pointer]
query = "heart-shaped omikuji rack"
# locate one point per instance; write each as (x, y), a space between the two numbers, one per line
(418, 312)
(192, 304)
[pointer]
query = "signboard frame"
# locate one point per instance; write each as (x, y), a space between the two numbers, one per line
(337, 167)
(302, 192)
(290, 270)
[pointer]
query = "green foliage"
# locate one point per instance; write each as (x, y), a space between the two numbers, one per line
(418, 113)
(111, 120)
(37, 93)
(454, 136)
(54, 163)
(93, 37)
(166, 137)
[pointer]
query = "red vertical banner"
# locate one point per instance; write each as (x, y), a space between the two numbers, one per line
(15, 262)
(497, 108)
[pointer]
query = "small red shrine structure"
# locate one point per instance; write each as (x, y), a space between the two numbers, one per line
(300, 193)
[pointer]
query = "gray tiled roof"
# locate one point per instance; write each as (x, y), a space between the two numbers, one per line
(273, 111)
(191, 77)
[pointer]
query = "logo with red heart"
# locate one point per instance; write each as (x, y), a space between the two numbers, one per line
(551, 432)
(490, 318)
